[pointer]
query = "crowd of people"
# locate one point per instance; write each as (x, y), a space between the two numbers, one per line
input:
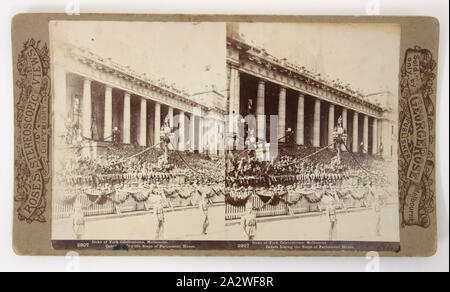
(152, 165)
(289, 168)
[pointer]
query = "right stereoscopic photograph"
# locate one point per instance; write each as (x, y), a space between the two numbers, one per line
(313, 154)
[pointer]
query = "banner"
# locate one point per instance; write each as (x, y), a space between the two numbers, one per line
(32, 117)
(416, 136)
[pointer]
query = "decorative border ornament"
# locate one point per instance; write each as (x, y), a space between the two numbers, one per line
(416, 137)
(33, 135)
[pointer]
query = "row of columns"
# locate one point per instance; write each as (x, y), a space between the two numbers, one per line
(300, 137)
(126, 126)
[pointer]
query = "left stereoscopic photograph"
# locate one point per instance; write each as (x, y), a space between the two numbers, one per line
(126, 95)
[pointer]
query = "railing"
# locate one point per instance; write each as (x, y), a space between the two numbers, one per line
(236, 212)
(61, 211)
(301, 207)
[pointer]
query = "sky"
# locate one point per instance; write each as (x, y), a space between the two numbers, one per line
(190, 54)
(364, 55)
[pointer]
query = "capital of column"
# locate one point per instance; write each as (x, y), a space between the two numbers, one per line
(87, 80)
(238, 73)
(197, 112)
(234, 66)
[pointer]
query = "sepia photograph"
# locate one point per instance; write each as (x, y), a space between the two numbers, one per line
(226, 132)
(138, 110)
(315, 109)
(229, 138)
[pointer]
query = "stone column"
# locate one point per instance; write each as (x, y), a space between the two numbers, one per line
(384, 129)
(234, 96)
(260, 117)
(366, 134)
(282, 115)
(200, 135)
(330, 124)
(182, 130)
(316, 130)
(150, 124)
(300, 137)
(212, 137)
(143, 123)
(344, 125)
(126, 118)
(170, 115)
(87, 109)
(234, 109)
(375, 137)
(192, 133)
(157, 123)
(222, 138)
(107, 130)
(355, 146)
(344, 119)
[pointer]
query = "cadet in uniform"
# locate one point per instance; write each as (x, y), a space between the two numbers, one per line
(78, 221)
(204, 208)
(249, 221)
(160, 220)
(332, 217)
(377, 206)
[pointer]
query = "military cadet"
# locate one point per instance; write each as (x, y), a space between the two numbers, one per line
(248, 220)
(78, 221)
(377, 208)
(204, 213)
(160, 220)
(291, 193)
(332, 218)
(118, 190)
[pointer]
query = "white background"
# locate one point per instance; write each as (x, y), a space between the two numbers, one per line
(10, 262)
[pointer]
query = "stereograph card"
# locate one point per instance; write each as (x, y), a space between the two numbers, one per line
(224, 135)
